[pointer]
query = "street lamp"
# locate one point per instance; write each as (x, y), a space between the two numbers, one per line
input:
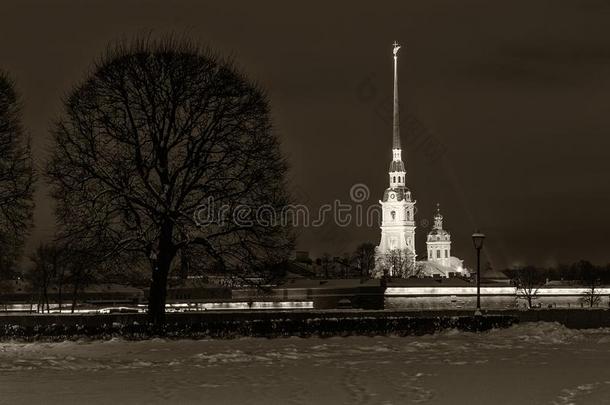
(477, 239)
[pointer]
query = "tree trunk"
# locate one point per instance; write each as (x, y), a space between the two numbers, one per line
(39, 300)
(158, 291)
(59, 298)
(45, 298)
(75, 292)
(60, 289)
(160, 271)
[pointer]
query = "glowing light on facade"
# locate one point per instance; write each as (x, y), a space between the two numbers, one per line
(429, 291)
(500, 290)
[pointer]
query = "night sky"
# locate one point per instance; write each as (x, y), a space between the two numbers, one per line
(504, 106)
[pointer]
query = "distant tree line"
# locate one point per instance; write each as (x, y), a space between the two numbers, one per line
(363, 262)
(65, 270)
(529, 280)
(359, 263)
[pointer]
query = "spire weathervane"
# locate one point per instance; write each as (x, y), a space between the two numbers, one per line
(396, 48)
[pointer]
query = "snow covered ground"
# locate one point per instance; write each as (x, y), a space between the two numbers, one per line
(528, 363)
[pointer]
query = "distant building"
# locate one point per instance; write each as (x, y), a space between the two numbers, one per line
(440, 262)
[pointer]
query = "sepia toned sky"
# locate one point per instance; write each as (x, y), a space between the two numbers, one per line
(504, 105)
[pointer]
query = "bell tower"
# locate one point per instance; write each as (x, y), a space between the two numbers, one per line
(398, 208)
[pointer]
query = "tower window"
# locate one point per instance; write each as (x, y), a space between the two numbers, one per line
(393, 214)
(394, 179)
(438, 254)
(446, 253)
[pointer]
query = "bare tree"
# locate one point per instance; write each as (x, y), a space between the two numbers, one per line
(83, 265)
(399, 263)
(326, 263)
(44, 273)
(590, 276)
(16, 176)
(345, 261)
(61, 264)
(166, 146)
(528, 281)
(364, 259)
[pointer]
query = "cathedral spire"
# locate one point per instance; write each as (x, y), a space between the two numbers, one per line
(398, 208)
(397, 167)
(395, 126)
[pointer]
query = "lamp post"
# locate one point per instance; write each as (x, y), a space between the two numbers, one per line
(477, 239)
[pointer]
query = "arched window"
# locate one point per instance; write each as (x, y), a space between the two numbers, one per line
(408, 215)
(394, 179)
(393, 214)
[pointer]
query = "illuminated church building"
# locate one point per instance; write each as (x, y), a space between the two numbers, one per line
(398, 213)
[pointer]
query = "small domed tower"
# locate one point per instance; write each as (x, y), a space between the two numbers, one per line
(439, 241)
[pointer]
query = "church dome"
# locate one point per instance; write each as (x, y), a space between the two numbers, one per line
(438, 232)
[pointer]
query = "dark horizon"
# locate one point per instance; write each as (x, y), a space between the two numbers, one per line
(511, 95)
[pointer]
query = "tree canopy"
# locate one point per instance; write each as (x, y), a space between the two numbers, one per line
(166, 146)
(16, 176)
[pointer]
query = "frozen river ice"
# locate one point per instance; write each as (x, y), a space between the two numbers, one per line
(528, 363)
